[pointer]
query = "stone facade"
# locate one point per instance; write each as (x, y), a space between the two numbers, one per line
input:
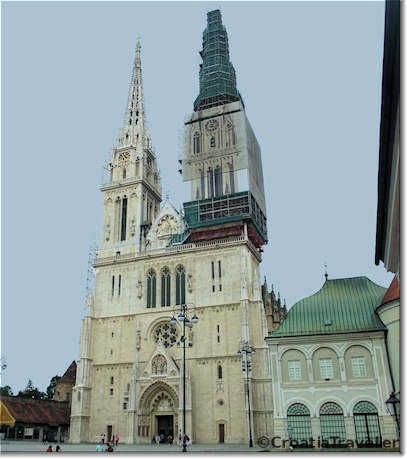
(129, 377)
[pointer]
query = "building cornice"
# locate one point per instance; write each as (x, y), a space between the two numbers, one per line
(320, 338)
(177, 249)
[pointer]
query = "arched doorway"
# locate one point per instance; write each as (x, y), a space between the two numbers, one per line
(299, 425)
(158, 412)
(332, 424)
(367, 425)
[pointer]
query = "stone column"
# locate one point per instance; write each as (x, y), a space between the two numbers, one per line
(350, 428)
(316, 429)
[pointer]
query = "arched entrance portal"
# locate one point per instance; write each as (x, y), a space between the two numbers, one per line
(158, 412)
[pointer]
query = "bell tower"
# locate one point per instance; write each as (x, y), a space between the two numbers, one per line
(132, 193)
(222, 158)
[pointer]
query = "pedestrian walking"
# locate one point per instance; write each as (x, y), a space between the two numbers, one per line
(102, 437)
(58, 449)
(49, 449)
(117, 439)
(99, 447)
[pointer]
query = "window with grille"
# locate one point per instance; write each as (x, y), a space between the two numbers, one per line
(326, 368)
(359, 369)
(367, 425)
(299, 423)
(294, 370)
(332, 424)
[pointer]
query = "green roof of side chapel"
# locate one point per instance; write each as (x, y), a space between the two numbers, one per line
(341, 306)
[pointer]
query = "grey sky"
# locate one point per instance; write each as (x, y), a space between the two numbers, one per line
(310, 76)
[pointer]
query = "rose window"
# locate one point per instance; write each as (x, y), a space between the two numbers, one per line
(165, 334)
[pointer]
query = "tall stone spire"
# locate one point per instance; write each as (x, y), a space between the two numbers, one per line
(217, 78)
(134, 131)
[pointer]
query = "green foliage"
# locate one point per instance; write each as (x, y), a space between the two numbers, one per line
(32, 392)
(6, 390)
(52, 385)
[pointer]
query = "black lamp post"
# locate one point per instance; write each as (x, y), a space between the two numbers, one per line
(186, 322)
(245, 351)
(392, 403)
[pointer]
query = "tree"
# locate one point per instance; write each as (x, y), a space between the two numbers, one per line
(6, 390)
(31, 392)
(52, 385)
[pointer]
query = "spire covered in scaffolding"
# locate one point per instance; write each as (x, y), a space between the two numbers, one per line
(134, 131)
(217, 78)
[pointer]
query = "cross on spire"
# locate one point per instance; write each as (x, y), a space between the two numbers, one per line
(134, 131)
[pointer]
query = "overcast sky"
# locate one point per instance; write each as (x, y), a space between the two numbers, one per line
(310, 76)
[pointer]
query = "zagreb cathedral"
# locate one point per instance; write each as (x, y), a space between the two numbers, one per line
(153, 258)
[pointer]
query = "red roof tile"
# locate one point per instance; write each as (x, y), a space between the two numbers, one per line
(393, 292)
(33, 411)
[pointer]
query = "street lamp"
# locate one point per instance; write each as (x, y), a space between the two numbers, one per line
(189, 323)
(392, 404)
(246, 351)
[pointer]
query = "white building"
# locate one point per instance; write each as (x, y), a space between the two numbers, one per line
(330, 368)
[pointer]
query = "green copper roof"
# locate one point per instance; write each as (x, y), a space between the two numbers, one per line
(217, 79)
(342, 305)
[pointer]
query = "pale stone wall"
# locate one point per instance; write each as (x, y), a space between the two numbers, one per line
(122, 345)
(344, 389)
(390, 316)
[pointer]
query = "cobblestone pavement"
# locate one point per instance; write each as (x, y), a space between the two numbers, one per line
(35, 447)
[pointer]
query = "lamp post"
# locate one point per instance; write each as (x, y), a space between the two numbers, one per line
(392, 403)
(186, 322)
(246, 351)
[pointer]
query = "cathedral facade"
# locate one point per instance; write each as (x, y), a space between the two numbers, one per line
(154, 258)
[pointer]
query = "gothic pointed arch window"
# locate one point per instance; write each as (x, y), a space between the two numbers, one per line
(159, 365)
(220, 372)
(230, 135)
(123, 223)
(212, 142)
(124, 173)
(210, 182)
(218, 181)
(151, 289)
(231, 178)
(165, 287)
(180, 285)
(197, 142)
